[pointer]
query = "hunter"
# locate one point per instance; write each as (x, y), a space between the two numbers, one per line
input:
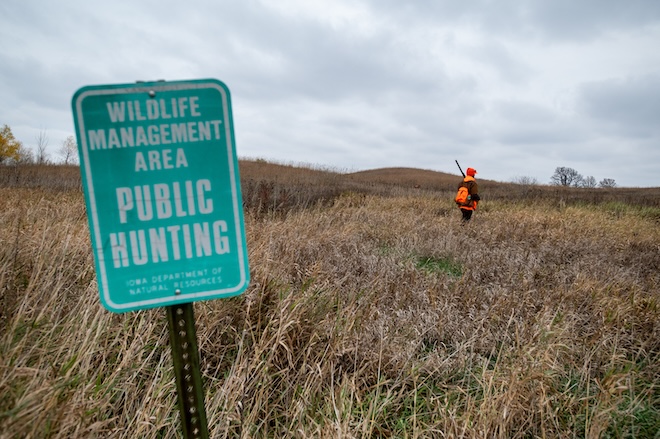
(467, 197)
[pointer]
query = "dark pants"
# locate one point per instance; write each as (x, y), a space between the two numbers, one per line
(467, 214)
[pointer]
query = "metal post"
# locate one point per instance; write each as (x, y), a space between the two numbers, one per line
(185, 356)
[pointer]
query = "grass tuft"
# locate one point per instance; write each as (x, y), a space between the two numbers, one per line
(446, 265)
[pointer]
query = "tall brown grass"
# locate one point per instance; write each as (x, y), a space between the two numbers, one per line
(371, 313)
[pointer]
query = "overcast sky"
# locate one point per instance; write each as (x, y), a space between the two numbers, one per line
(513, 88)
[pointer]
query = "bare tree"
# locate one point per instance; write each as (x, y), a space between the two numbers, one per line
(525, 181)
(607, 183)
(589, 182)
(69, 151)
(564, 176)
(42, 143)
(24, 155)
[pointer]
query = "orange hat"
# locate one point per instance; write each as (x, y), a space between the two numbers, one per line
(471, 172)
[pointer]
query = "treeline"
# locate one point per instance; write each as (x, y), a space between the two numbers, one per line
(14, 152)
(569, 177)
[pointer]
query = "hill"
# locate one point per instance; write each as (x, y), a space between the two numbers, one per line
(406, 177)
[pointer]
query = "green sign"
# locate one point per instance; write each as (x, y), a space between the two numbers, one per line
(162, 189)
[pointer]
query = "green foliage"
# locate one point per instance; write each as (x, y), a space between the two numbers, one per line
(619, 209)
(442, 264)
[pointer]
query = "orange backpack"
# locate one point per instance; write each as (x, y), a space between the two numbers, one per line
(463, 197)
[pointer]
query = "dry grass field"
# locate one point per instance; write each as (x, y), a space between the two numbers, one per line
(371, 312)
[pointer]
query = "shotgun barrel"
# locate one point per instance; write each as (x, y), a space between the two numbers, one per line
(459, 168)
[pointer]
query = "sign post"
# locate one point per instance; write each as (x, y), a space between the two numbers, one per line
(185, 357)
(162, 190)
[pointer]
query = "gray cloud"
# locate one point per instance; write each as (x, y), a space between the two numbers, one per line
(624, 107)
(514, 87)
(549, 20)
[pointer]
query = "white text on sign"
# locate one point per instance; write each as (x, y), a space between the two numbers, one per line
(161, 201)
(158, 133)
